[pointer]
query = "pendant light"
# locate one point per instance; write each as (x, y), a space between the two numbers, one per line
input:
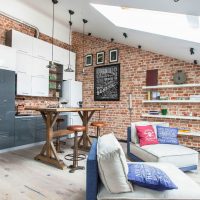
(69, 69)
(51, 63)
(84, 22)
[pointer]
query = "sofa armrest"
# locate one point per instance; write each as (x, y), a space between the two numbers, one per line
(92, 177)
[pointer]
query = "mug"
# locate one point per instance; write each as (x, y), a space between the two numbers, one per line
(164, 111)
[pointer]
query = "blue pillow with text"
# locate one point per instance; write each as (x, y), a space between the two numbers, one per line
(167, 135)
(149, 177)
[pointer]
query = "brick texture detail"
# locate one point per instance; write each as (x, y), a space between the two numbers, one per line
(134, 62)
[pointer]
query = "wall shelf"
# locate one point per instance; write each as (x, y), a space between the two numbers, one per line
(171, 101)
(189, 133)
(170, 86)
(171, 117)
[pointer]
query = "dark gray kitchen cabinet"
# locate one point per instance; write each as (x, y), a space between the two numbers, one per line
(40, 132)
(24, 130)
(7, 108)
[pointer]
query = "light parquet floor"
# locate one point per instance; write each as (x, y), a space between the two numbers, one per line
(23, 178)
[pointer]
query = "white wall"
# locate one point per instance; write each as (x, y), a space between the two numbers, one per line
(28, 14)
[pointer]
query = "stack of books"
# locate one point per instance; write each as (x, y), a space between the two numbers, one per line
(154, 112)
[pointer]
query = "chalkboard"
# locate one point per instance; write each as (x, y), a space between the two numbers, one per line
(107, 83)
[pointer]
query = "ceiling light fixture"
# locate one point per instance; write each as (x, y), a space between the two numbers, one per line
(195, 62)
(69, 69)
(191, 51)
(125, 35)
(83, 41)
(51, 63)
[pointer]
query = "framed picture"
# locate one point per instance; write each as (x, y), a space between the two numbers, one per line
(113, 55)
(100, 57)
(107, 83)
(88, 60)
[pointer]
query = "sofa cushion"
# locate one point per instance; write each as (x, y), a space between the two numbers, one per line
(113, 168)
(187, 188)
(176, 154)
(149, 177)
(146, 135)
(134, 137)
(167, 135)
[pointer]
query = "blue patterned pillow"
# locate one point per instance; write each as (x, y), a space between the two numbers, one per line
(167, 135)
(149, 177)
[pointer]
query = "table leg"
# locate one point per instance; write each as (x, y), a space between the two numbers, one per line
(85, 140)
(48, 153)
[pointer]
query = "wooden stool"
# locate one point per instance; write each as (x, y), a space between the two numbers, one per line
(75, 157)
(98, 124)
(57, 143)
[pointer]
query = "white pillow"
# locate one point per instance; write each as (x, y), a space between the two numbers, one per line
(113, 168)
(134, 137)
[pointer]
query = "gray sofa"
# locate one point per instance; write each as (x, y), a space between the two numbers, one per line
(95, 190)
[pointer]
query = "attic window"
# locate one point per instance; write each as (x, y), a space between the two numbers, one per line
(181, 26)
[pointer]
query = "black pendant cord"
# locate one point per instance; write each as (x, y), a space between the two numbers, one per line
(70, 31)
(83, 43)
(84, 22)
(69, 69)
(52, 33)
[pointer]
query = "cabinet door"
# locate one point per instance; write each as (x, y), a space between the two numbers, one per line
(58, 56)
(23, 84)
(7, 58)
(6, 127)
(40, 133)
(42, 49)
(22, 42)
(24, 63)
(70, 75)
(40, 86)
(7, 86)
(24, 130)
(39, 68)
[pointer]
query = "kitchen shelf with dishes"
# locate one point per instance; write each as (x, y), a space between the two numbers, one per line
(55, 81)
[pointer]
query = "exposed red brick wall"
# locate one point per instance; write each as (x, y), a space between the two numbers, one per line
(134, 63)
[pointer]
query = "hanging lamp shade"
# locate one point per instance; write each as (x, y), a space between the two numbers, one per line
(69, 69)
(51, 63)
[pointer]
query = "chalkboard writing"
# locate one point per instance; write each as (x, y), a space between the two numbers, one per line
(107, 83)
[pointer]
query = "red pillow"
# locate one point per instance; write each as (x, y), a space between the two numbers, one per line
(146, 135)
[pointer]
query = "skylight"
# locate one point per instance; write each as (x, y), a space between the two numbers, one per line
(181, 26)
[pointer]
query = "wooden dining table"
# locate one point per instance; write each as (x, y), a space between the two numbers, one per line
(48, 153)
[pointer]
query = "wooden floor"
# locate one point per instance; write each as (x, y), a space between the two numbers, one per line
(23, 178)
